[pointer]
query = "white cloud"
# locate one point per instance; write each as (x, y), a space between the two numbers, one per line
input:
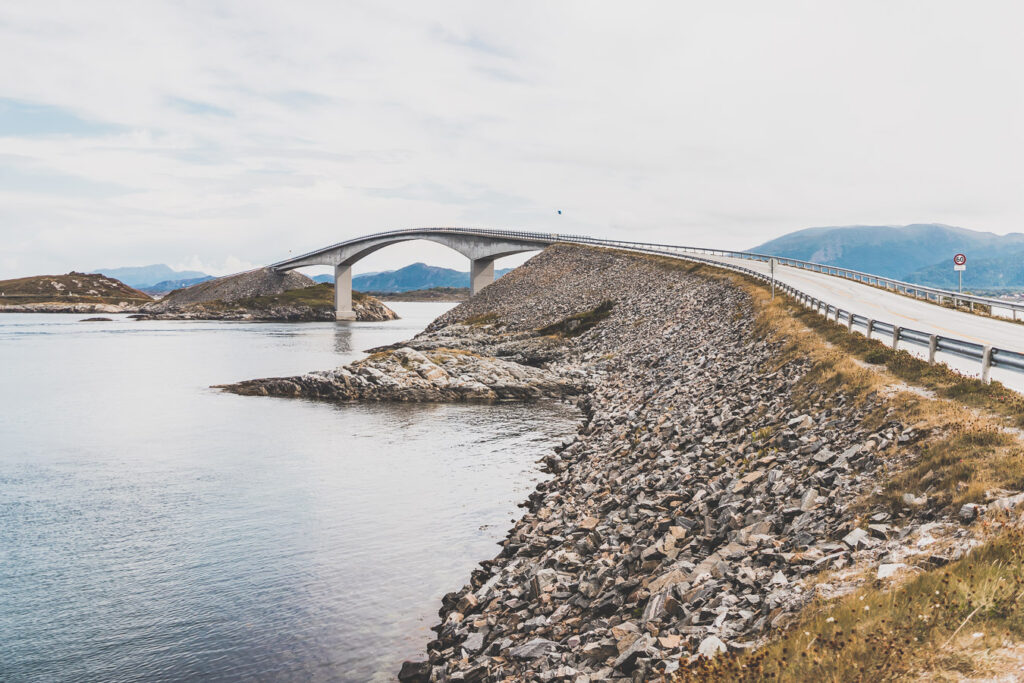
(230, 265)
(245, 130)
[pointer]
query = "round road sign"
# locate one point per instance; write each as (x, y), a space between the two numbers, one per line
(959, 259)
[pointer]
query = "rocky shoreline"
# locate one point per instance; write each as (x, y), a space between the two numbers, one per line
(56, 307)
(710, 480)
(407, 375)
(366, 310)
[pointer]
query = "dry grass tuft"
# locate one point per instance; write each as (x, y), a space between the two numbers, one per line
(926, 624)
(577, 324)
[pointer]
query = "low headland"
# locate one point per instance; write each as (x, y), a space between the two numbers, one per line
(752, 493)
(70, 293)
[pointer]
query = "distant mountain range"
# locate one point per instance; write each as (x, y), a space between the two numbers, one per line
(920, 253)
(171, 285)
(148, 277)
(412, 277)
(160, 278)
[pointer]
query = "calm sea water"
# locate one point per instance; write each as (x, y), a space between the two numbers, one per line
(152, 528)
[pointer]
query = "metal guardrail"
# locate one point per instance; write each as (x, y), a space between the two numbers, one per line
(989, 356)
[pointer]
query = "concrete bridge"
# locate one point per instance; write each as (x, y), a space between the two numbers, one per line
(903, 313)
(481, 247)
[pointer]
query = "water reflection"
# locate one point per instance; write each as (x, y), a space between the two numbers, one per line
(343, 338)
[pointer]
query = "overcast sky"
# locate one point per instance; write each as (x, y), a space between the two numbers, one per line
(216, 135)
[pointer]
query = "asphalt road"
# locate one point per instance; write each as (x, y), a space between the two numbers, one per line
(889, 307)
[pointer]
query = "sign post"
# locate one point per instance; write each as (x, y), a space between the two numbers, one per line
(771, 262)
(960, 265)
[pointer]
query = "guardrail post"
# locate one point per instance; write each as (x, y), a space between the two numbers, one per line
(933, 346)
(837, 315)
(849, 321)
(986, 364)
(895, 336)
(871, 328)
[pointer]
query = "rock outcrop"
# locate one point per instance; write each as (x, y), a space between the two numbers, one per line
(404, 374)
(231, 288)
(262, 294)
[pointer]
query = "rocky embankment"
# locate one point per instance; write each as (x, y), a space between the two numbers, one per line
(262, 295)
(70, 293)
(710, 480)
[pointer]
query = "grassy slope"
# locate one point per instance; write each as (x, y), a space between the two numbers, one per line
(924, 629)
(71, 288)
(320, 296)
(910, 630)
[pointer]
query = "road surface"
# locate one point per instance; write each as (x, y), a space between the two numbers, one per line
(889, 307)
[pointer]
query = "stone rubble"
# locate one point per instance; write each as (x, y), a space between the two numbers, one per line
(685, 515)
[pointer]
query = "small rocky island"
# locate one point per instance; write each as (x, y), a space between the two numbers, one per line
(261, 294)
(70, 293)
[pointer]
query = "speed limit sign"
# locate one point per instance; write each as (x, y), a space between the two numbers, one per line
(959, 262)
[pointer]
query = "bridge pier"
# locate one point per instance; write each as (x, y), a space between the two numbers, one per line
(343, 293)
(481, 274)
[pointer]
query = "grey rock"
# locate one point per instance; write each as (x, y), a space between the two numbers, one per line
(538, 647)
(414, 672)
(858, 538)
(969, 512)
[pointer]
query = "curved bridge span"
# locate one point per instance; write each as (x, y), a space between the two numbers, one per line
(481, 247)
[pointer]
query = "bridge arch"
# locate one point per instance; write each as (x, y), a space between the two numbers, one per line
(481, 247)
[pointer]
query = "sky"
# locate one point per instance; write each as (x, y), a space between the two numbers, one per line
(221, 135)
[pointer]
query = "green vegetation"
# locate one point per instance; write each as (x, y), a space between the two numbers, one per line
(945, 382)
(961, 467)
(316, 297)
(579, 323)
(432, 294)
